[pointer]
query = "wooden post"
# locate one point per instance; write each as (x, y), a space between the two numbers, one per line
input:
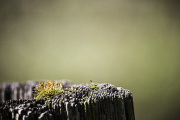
(84, 102)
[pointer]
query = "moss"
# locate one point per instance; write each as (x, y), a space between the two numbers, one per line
(93, 87)
(85, 97)
(48, 89)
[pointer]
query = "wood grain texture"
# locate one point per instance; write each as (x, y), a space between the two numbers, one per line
(86, 103)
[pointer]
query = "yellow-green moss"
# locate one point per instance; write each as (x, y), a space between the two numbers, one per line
(48, 89)
(93, 87)
(85, 97)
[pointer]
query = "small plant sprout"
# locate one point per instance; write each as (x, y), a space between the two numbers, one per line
(94, 86)
(48, 89)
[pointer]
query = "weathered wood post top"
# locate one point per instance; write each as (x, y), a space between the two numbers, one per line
(64, 101)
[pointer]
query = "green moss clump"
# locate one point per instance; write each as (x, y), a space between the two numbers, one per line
(85, 97)
(48, 89)
(93, 87)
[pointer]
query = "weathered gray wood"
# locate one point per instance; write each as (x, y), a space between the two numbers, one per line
(16, 91)
(84, 103)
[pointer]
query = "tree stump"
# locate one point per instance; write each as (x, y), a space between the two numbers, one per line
(82, 102)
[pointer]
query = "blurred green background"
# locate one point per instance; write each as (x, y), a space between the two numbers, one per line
(134, 44)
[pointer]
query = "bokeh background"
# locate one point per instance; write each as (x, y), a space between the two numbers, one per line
(134, 44)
